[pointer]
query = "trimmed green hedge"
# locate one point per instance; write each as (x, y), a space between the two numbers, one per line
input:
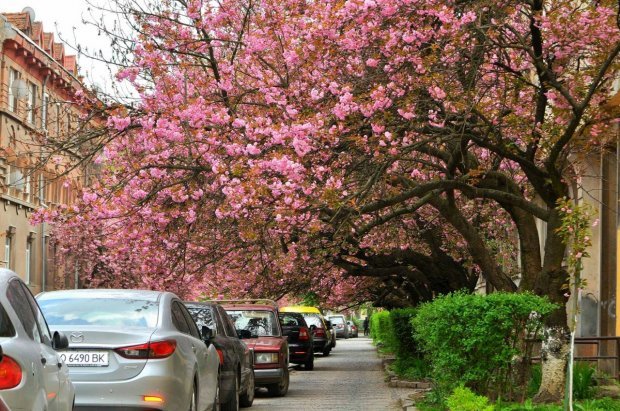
(472, 340)
(403, 342)
(381, 329)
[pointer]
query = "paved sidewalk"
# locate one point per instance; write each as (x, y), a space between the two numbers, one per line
(350, 378)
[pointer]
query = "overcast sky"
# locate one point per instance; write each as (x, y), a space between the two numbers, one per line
(65, 17)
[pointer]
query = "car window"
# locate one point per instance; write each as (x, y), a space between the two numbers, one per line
(313, 319)
(40, 319)
(226, 323)
(288, 320)
(193, 329)
(18, 301)
(107, 312)
(178, 319)
(336, 320)
(202, 315)
(258, 322)
(6, 326)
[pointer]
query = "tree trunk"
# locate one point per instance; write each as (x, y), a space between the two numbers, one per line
(556, 335)
(554, 355)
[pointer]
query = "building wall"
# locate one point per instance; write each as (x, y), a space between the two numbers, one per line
(26, 125)
(591, 192)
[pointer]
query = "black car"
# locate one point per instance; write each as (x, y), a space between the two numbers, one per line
(237, 362)
(300, 339)
(324, 336)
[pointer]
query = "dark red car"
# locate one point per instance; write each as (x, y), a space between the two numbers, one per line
(256, 321)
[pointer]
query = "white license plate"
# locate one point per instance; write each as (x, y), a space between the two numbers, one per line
(85, 358)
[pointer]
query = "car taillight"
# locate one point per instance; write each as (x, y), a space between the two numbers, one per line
(220, 354)
(153, 349)
(303, 334)
(10, 373)
(319, 332)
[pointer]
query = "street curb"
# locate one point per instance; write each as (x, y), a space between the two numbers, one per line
(392, 380)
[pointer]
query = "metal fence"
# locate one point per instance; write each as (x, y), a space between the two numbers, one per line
(605, 351)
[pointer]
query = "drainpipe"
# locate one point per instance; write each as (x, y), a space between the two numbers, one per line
(42, 204)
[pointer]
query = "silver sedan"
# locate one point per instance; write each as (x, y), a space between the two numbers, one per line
(134, 349)
(33, 376)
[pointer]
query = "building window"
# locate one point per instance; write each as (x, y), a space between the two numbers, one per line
(28, 260)
(32, 102)
(13, 76)
(41, 189)
(58, 119)
(7, 252)
(27, 184)
(8, 248)
(7, 176)
(16, 179)
(44, 104)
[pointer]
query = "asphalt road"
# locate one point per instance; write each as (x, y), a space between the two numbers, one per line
(350, 378)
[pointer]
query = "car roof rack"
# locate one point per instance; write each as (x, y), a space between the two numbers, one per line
(265, 301)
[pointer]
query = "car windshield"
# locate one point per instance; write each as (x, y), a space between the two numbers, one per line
(107, 312)
(260, 323)
(336, 320)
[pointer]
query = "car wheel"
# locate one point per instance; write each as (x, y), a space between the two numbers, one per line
(233, 403)
(280, 389)
(247, 398)
(309, 364)
(193, 406)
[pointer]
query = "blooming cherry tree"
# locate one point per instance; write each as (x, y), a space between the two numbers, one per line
(362, 149)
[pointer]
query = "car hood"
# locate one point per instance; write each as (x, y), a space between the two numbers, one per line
(264, 343)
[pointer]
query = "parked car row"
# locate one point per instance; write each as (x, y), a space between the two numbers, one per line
(344, 328)
(324, 339)
(99, 349)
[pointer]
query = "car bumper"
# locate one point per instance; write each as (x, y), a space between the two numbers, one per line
(341, 333)
(299, 353)
(161, 379)
(268, 376)
(319, 344)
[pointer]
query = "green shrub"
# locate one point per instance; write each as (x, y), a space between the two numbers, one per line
(411, 367)
(404, 344)
(583, 381)
(535, 380)
(463, 399)
(472, 339)
(603, 404)
(381, 329)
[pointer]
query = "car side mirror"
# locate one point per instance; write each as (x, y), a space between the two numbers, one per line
(244, 334)
(59, 341)
(207, 334)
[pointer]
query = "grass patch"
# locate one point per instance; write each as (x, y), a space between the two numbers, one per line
(411, 368)
(603, 404)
